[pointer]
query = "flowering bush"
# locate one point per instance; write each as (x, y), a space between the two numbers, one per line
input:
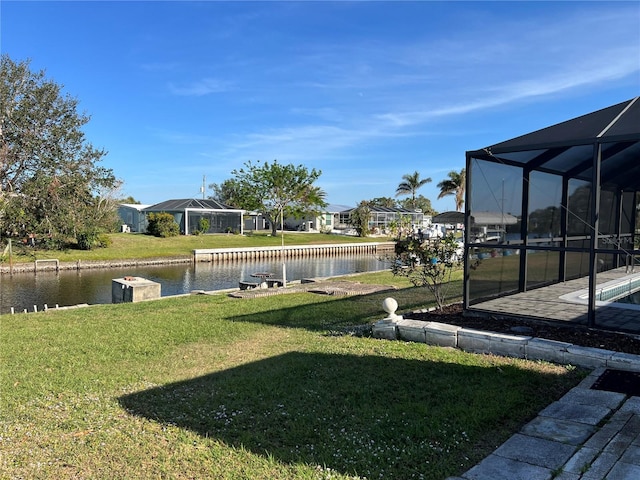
(427, 263)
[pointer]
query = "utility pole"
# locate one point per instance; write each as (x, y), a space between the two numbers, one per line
(202, 188)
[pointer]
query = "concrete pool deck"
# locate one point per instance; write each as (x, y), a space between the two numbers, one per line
(551, 303)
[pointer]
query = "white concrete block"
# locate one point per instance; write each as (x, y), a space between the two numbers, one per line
(441, 334)
(549, 350)
(624, 361)
(508, 345)
(385, 330)
(587, 356)
(134, 289)
(474, 341)
(411, 330)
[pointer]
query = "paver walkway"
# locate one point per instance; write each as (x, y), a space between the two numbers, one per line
(586, 435)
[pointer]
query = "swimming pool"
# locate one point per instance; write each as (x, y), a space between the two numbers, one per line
(620, 293)
(632, 298)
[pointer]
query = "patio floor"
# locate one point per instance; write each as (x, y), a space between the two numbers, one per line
(545, 303)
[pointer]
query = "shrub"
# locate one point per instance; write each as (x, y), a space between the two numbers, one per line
(162, 225)
(51, 242)
(428, 263)
(104, 241)
(203, 225)
(92, 239)
(87, 240)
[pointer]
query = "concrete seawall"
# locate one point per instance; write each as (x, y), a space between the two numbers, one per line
(207, 255)
(289, 251)
(51, 266)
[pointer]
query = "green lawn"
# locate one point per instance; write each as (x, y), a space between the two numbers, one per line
(141, 246)
(267, 388)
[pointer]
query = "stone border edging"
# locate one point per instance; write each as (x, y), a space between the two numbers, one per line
(484, 342)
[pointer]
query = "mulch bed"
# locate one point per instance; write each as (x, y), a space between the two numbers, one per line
(576, 335)
(619, 381)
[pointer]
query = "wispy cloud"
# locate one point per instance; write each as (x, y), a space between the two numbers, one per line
(200, 88)
(346, 98)
(159, 66)
(558, 56)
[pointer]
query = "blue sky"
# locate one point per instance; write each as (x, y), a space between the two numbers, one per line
(364, 91)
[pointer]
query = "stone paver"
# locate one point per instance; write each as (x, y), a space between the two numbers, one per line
(495, 467)
(631, 455)
(579, 462)
(632, 405)
(589, 414)
(565, 431)
(586, 396)
(536, 451)
(624, 471)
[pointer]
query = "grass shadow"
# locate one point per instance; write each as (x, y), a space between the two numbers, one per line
(325, 312)
(367, 415)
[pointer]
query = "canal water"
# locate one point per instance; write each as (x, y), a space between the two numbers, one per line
(93, 286)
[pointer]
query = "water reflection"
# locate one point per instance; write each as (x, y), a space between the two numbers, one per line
(24, 290)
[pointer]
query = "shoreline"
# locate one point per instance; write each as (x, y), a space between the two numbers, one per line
(199, 255)
(53, 265)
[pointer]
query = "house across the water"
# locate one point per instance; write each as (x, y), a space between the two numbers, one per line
(187, 213)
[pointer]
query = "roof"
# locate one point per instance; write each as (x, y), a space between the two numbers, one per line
(191, 203)
(493, 218)
(449, 217)
(333, 208)
(136, 206)
(611, 123)
(479, 218)
(567, 148)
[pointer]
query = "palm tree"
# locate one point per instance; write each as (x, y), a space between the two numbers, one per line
(454, 185)
(410, 184)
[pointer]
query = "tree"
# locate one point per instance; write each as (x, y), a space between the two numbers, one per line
(410, 185)
(129, 200)
(427, 264)
(545, 221)
(385, 202)
(275, 189)
(454, 185)
(400, 227)
(421, 202)
(228, 192)
(51, 183)
(360, 217)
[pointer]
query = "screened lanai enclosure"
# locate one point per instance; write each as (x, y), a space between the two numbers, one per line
(189, 212)
(564, 242)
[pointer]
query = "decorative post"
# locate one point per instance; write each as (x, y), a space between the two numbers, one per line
(386, 328)
(390, 305)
